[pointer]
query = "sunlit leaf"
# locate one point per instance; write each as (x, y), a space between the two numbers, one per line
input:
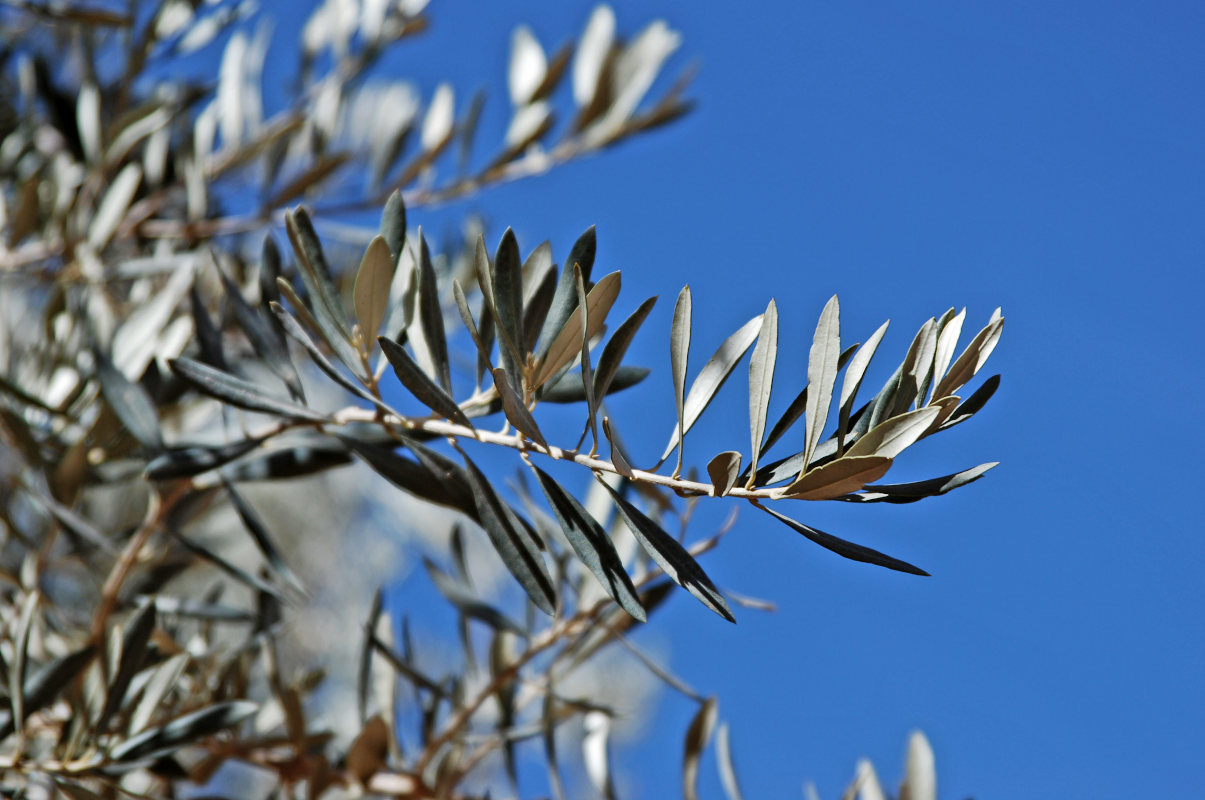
(723, 470)
(371, 291)
(618, 458)
(893, 436)
(972, 404)
(113, 206)
(838, 478)
(920, 772)
(822, 375)
(679, 354)
(854, 374)
(671, 556)
(972, 358)
(723, 754)
(567, 344)
(761, 379)
(183, 730)
(564, 300)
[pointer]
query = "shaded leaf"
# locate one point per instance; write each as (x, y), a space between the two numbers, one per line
(516, 412)
(393, 226)
(422, 387)
(723, 470)
(516, 549)
(267, 343)
(569, 387)
(711, 378)
(43, 687)
(822, 376)
(671, 556)
(507, 280)
(587, 376)
(854, 552)
(209, 338)
(697, 737)
(838, 478)
(163, 678)
(618, 458)
(469, 604)
(131, 404)
(263, 541)
(972, 404)
(134, 642)
(761, 379)
(591, 544)
(564, 300)
(679, 354)
(918, 490)
(433, 478)
(184, 730)
(611, 361)
(371, 291)
(184, 462)
(917, 367)
(238, 392)
(893, 436)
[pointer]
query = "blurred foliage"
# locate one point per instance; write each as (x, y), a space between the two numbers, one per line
(161, 358)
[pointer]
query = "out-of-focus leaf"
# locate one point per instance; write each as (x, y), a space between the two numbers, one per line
(595, 752)
(837, 478)
(697, 737)
(865, 785)
(266, 342)
(369, 750)
(516, 549)
(920, 771)
(516, 412)
(822, 376)
(679, 355)
(422, 387)
(322, 169)
(438, 123)
(393, 226)
(841, 547)
(263, 541)
(183, 730)
(77, 525)
(431, 319)
(711, 378)
(723, 470)
(723, 753)
(371, 291)
(893, 436)
(163, 677)
(113, 206)
(364, 672)
(469, 604)
(288, 462)
(507, 280)
(918, 490)
(761, 379)
(548, 725)
(131, 404)
(238, 392)
(528, 66)
(972, 404)
(591, 544)
(591, 58)
(233, 570)
(209, 338)
(671, 556)
(611, 361)
(569, 388)
(567, 343)
(269, 271)
(20, 662)
(42, 687)
(972, 358)
(564, 300)
(853, 380)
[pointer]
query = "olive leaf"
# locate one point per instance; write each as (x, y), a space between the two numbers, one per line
(822, 375)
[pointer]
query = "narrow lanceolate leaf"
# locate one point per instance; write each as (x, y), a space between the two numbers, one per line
(537, 300)
(917, 367)
(891, 437)
(697, 737)
(134, 642)
(261, 537)
(432, 478)
(371, 292)
(426, 390)
(393, 226)
(431, 318)
(516, 549)
(671, 556)
(327, 307)
(822, 376)
(837, 478)
(711, 378)
(466, 316)
(468, 603)
(507, 280)
(591, 544)
(183, 730)
(854, 552)
(267, 342)
(761, 379)
(947, 340)
(209, 338)
(44, 686)
(587, 372)
(611, 360)
(920, 773)
(972, 404)
(113, 206)
(723, 470)
(679, 354)
(853, 380)
(568, 342)
(238, 392)
(131, 404)
(569, 387)
(972, 358)
(364, 672)
(919, 490)
(20, 662)
(517, 413)
(723, 757)
(564, 300)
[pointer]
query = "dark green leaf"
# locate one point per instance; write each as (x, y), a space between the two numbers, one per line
(431, 318)
(237, 391)
(288, 462)
(434, 478)
(516, 412)
(513, 545)
(422, 387)
(364, 673)
(822, 375)
(761, 379)
(182, 731)
(209, 338)
(610, 363)
(269, 272)
(569, 388)
(591, 544)
(711, 378)
(266, 342)
(841, 547)
(972, 404)
(131, 404)
(238, 573)
(393, 225)
(466, 316)
(918, 490)
(671, 556)
(185, 462)
(259, 534)
(540, 281)
(507, 279)
(564, 300)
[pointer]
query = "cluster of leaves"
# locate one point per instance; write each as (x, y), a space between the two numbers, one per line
(137, 652)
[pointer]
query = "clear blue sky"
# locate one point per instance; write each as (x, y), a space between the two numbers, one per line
(1045, 157)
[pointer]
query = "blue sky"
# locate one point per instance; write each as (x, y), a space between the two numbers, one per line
(1046, 158)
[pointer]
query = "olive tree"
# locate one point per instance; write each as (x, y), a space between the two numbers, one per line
(203, 339)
